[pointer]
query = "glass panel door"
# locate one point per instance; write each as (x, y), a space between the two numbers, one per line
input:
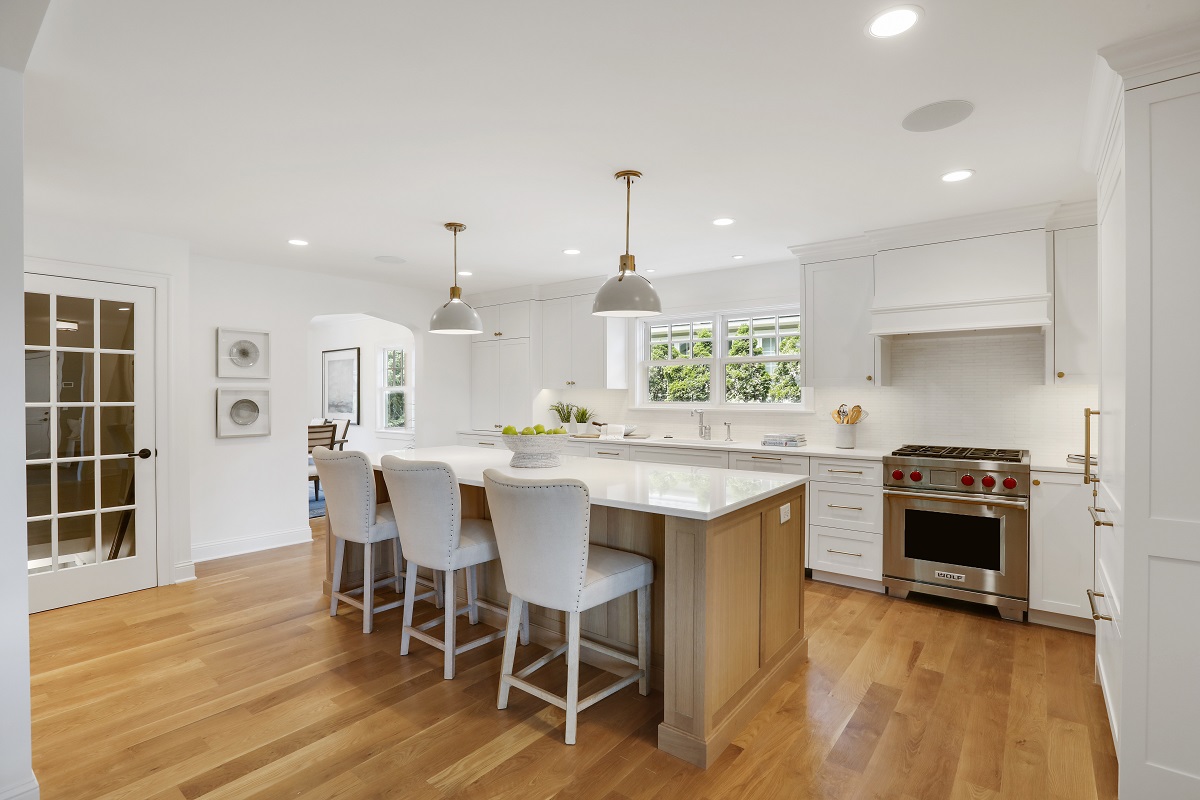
(89, 440)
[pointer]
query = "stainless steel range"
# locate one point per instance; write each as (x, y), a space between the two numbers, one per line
(956, 524)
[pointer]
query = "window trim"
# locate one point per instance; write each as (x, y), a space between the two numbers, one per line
(381, 429)
(718, 361)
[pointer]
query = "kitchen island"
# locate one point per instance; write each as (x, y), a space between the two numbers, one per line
(728, 550)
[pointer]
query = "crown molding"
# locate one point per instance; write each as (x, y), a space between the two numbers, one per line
(968, 227)
(1157, 57)
(1072, 215)
(1102, 116)
(833, 250)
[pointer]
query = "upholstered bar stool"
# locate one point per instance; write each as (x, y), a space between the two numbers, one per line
(542, 529)
(353, 516)
(435, 536)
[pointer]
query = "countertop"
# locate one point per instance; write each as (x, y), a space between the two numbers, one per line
(1052, 462)
(825, 451)
(702, 493)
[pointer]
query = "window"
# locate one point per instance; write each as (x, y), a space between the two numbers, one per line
(395, 404)
(732, 359)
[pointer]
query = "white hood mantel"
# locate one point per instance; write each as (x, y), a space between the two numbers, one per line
(983, 272)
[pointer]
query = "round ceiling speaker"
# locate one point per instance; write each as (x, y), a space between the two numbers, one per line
(936, 116)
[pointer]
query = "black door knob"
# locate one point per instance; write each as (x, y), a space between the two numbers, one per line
(143, 453)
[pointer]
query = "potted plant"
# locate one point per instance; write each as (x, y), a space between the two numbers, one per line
(563, 410)
(582, 416)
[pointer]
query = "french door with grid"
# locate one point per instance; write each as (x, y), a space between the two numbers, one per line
(89, 440)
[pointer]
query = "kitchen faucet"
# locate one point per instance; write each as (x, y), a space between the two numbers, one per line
(705, 430)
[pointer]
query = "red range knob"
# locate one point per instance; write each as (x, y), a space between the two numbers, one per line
(897, 474)
(967, 480)
(1010, 483)
(989, 481)
(916, 476)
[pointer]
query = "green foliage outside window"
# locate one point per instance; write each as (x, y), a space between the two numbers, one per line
(745, 382)
(395, 411)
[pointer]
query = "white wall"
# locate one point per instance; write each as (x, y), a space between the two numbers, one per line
(16, 771)
(249, 494)
(369, 334)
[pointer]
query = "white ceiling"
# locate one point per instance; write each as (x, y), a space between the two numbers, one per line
(362, 126)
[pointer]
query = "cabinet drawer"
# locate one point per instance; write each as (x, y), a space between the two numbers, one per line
(856, 508)
(846, 470)
(479, 440)
(575, 449)
(685, 456)
(770, 462)
(847, 552)
(614, 451)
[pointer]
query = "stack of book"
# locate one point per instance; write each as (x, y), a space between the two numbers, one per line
(784, 440)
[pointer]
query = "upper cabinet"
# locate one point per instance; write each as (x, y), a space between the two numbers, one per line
(504, 321)
(579, 349)
(839, 348)
(1076, 336)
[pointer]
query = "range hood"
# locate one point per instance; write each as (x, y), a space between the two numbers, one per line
(982, 283)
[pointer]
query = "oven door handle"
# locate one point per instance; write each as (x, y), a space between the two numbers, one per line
(966, 499)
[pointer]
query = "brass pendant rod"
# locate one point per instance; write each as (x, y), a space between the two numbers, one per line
(628, 190)
(455, 268)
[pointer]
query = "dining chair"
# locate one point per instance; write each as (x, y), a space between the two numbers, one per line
(322, 435)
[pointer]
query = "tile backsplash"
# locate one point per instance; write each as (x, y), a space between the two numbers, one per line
(979, 389)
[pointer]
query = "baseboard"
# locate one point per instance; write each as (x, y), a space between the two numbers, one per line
(853, 581)
(185, 571)
(249, 544)
(1064, 621)
(25, 790)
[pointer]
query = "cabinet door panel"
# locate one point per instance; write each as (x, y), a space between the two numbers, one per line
(513, 383)
(587, 345)
(840, 350)
(556, 343)
(490, 317)
(485, 385)
(513, 320)
(1060, 545)
(1076, 311)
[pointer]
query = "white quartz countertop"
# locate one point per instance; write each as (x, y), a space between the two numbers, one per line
(702, 493)
(825, 451)
(1052, 462)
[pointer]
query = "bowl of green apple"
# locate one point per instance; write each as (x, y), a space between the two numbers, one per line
(534, 446)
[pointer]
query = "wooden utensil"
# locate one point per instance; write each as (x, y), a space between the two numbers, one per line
(836, 416)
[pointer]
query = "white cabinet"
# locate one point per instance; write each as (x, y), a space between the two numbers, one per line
(1060, 544)
(846, 506)
(845, 552)
(501, 386)
(608, 450)
(690, 457)
(769, 462)
(473, 440)
(504, 321)
(575, 449)
(839, 348)
(847, 470)
(845, 519)
(1075, 354)
(579, 349)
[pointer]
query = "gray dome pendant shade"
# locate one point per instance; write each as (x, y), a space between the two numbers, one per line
(455, 316)
(627, 294)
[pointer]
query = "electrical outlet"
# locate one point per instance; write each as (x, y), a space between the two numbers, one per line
(785, 513)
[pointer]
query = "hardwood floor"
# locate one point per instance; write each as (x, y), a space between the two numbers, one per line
(240, 685)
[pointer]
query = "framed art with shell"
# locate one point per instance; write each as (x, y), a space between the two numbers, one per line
(243, 353)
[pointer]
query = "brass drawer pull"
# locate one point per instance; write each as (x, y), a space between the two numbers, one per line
(1092, 602)
(844, 553)
(767, 458)
(486, 444)
(1096, 521)
(846, 471)
(848, 508)
(606, 453)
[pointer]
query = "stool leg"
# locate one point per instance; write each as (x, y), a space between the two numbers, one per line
(396, 559)
(524, 622)
(368, 587)
(339, 556)
(410, 597)
(472, 593)
(572, 674)
(643, 623)
(451, 602)
(515, 607)
(439, 594)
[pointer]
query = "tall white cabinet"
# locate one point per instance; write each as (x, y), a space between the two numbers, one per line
(839, 347)
(504, 370)
(1148, 565)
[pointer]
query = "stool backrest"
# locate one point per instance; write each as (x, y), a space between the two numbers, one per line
(349, 492)
(425, 498)
(542, 530)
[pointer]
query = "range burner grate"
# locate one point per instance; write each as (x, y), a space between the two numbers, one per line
(960, 453)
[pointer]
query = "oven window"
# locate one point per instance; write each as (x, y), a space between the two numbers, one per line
(960, 539)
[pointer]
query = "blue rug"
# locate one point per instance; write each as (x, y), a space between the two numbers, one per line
(316, 502)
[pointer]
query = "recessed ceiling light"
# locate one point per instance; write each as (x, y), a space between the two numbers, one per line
(893, 22)
(571, 252)
(389, 259)
(651, 270)
(462, 273)
(958, 175)
(298, 242)
(66, 325)
(122, 308)
(738, 258)
(723, 221)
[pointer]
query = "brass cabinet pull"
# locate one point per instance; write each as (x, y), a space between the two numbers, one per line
(844, 553)
(1096, 521)
(1036, 482)
(606, 453)
(1088, 478)
(848, 508)
(846, 471)
(1062, 374)
(1092, 602)
(486, 444)
(870, 378)
(767, 458)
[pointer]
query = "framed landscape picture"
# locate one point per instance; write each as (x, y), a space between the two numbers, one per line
(339, 384)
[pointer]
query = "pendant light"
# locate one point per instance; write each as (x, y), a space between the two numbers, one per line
(455, 316)
(627, 294)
